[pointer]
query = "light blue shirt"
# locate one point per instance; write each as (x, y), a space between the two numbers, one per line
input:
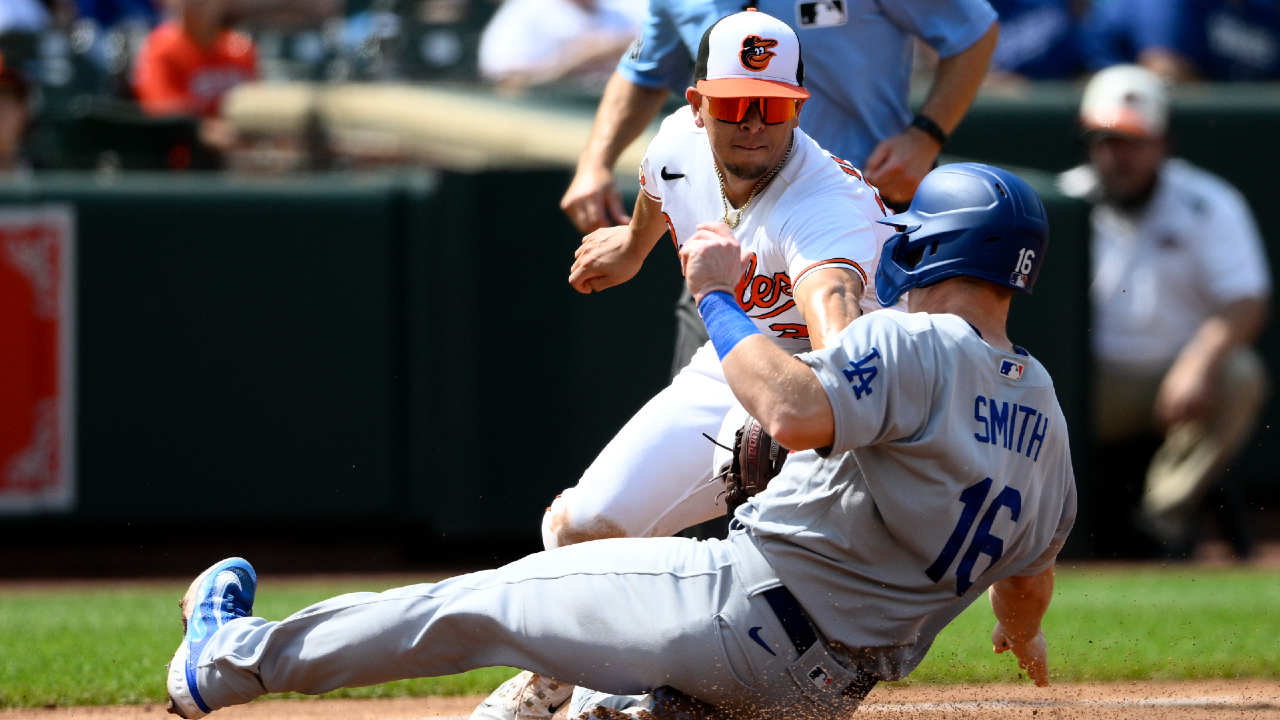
(857, 56)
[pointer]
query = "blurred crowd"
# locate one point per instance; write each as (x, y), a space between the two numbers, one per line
(132, 71)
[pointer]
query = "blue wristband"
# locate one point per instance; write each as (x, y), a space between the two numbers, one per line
(727, 324)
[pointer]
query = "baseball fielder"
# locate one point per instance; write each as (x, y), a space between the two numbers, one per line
(805, 219)
(933, 464)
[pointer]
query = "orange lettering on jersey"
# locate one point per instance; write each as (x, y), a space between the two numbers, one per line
(788, 331)
(763, 292)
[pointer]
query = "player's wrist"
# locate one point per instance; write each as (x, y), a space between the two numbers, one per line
(701, 293)
(727, 323)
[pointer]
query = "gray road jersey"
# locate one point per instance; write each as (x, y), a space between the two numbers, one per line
(950, 471)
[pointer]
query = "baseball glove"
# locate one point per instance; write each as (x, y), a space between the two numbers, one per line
(756, 459)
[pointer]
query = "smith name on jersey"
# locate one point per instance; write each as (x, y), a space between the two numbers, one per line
(817, 213)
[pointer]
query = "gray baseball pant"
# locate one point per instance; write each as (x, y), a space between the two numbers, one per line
(623, 616)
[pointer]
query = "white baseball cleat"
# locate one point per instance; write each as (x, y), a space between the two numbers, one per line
(527, 696)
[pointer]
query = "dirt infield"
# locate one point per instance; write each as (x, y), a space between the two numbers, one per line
(1254, 700)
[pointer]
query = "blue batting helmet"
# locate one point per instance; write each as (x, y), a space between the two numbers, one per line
(966, 219)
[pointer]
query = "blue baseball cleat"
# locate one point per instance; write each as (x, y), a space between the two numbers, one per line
(219, 595)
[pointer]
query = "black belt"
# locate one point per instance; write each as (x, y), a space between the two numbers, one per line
(793, 618)
(799, 629)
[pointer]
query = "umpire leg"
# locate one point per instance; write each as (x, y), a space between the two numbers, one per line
(691, 333)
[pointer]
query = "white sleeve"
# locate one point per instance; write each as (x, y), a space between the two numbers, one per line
(1231, 249)
(838, 235)
(650, 182)
(875, 381)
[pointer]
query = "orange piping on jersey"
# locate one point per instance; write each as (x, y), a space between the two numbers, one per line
(672, 229)
(835, 261)
(847, 167)
(789, 331)
(880, 202)
(650, 195)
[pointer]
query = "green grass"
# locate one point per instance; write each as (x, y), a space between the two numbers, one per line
(1129, 624)
(104, 646)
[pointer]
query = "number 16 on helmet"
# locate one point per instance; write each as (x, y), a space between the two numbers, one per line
(966, 219)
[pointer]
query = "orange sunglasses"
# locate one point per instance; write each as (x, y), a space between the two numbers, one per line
(772, 110)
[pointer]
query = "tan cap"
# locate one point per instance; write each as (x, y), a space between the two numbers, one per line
(1126, 100)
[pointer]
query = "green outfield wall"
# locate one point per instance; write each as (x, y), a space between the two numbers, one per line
(398, 349)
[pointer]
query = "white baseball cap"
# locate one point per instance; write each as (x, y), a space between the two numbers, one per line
(750, 54)
(1126, 100)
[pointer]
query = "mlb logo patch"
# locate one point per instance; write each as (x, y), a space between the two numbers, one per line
(1019, 280)
(821, 13)
(1011, 369)
(819, 677)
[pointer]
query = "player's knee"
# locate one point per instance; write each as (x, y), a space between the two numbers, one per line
(560, 528)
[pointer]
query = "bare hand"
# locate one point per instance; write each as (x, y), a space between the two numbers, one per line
(712, 260)
(1033, 654)
(899, 163)
(605, 258)
(592, 201)
(1186, 393)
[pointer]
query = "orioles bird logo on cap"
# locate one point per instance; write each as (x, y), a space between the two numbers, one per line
(756, 53)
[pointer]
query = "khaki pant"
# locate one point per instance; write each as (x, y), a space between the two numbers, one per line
(1193, 453)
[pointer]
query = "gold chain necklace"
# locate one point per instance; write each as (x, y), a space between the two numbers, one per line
(733, 217)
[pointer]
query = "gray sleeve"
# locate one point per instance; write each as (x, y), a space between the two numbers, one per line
(948, 26)
(1065, 523)
(875, 382)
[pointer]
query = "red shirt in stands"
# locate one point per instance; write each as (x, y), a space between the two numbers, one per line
(175, 75)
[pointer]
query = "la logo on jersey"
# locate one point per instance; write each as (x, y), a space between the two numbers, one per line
(1011, 369)
(861, 373)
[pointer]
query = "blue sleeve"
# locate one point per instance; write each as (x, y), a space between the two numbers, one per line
(948, 26)
(1187, 29)
(658, 58)
(1117, 31)
(1038, 39)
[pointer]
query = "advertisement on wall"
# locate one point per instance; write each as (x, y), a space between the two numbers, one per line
(37, 359)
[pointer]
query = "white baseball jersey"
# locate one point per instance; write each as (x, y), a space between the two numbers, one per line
(817, 213)
(950, 470)
(1159, 273)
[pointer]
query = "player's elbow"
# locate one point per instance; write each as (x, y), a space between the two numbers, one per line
(798, 429)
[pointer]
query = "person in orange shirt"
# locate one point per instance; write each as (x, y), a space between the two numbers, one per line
(190, 63)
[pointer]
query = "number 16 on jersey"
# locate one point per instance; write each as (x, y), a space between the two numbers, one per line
(983, 542)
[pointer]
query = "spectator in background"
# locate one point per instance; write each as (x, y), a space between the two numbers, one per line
(1179, 291)
(531, 41)
(1223, 40)
(190, 63)
(23, 16)
(1186, 39)
(107, 13)
(1038, 40)
(15, 115)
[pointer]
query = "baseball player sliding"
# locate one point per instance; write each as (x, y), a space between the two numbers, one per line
(933, 464)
